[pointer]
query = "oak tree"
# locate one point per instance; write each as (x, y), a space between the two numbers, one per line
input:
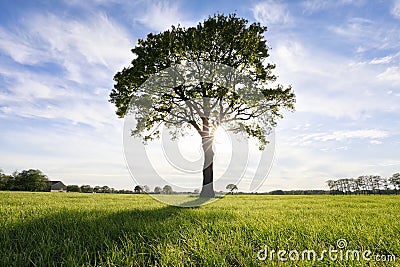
(204, 105)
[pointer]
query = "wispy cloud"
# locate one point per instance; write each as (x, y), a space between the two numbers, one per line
(311, 6)
(95, 41)
(346, 135)
(271, 12)
(355, 28)
(362, 93)
(382, 60)
(317, 139)
(391, 74)
(21, 46)
(73, 44)
(84, 55)
(396, 9)
(161, 15)
(368, 35)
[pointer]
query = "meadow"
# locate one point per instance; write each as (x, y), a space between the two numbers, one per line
(75, 229)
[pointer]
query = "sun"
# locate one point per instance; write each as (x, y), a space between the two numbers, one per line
(222, 140)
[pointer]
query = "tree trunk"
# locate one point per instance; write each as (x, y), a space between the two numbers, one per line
(208, 176)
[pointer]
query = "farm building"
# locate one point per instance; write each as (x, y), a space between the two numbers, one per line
(57, 186)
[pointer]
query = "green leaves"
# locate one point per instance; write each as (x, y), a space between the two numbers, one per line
(247, 101)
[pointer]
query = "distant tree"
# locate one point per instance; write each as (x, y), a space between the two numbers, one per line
(86, 189)
(385, 184)
(220, 39)
(330, 184)
(354, 186)
(157, 190)
(105, 189)
(73, 188)
(4, 181)
(231, 187)
(366, 183)
(146, 188)
(10, 182)
(97, 189)
(167, 189)
(277, 192)
(347, 185)
(395, 181)
(334, 186)
(362, 183)
(30, 180)
(196, 191)
(138, 189)
(376, 181)
(342, 183)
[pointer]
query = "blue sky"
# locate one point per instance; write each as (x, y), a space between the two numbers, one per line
(57, 61)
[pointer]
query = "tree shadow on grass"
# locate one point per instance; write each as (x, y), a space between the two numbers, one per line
(196, 202)
(184, 201)
(134, 237)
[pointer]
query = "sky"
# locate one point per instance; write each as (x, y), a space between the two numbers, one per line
(58, 59)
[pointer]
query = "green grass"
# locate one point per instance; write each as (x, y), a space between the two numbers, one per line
(55, 229)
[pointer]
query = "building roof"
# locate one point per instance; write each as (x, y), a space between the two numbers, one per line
(55, 182)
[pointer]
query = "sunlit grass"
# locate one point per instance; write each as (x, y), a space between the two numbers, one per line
(47, 229)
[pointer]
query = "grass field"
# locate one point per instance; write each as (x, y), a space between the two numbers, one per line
(47, 229)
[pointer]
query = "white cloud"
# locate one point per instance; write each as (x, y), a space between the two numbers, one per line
(354, 28)
(89, 51)
(366, 34)
(385, 163)
(315, 5)
(319, 139)
(73, 44)
(396, 9)
(330, 84)
(44, 96)
(345, 135)
(382, 60)
(21, 46)
(161, 15)
(391, 74)
(271, 12)
(312, 6)
(97, 40)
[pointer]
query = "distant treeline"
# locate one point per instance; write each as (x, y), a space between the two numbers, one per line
(97, 189)
(167, 189)
(35, 180)
(366, 184)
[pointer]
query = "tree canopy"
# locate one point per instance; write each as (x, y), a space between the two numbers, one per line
(231, 187)
(4, 180)
(157, 190)
(167, 189)
(138, 189)
(30, 180)
(226, 40)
